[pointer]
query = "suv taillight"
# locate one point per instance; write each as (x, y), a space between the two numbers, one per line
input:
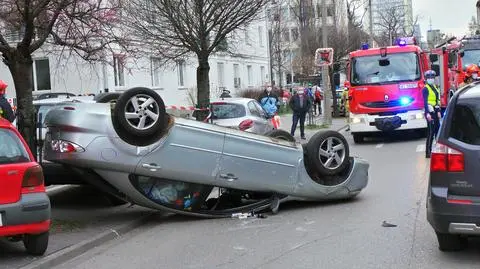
(244, 125)
(446, 159)
(33, 180)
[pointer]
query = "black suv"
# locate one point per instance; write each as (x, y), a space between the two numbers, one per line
(453, 202)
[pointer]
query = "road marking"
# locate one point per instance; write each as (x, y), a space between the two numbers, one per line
(55, 188)
(379, 146)
(421, 148)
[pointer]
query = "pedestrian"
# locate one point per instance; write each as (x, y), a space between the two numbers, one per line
(269, 102)
(318, 101)
(225, 94)
(300, 104)
(431, 99)
(6, 110)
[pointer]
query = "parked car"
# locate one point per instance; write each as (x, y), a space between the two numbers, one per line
(244, 114)
(453, 191)
(135, 150)
(24, 204)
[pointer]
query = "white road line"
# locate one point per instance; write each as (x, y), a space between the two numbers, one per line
(379, 145)
(421, 148)
(56, 188)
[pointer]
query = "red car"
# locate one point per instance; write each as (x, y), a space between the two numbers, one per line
(24, 205)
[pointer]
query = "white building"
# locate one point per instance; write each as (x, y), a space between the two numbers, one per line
(57, 71)
(284, 15)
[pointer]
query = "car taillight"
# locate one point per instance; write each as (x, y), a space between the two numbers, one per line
(33, 180)
(446, 159)
(63, 146)
(244, 125)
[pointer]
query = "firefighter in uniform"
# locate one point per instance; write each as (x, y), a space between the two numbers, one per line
(471, 74)
(6, 110)
(431, 98)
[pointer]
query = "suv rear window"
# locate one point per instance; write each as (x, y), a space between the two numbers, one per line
(11, 148)
(465, 125)
(228, 111)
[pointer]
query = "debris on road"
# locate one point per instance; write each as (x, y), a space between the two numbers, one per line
(386, 224)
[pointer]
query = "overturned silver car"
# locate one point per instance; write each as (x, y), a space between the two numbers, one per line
(133, 149)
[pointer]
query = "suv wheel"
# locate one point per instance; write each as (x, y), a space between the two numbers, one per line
(36, 244)
(451, 242)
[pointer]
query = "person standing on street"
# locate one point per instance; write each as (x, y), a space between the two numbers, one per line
(300, 104)
(431, 99)
(269, 101)
(6, 110)
(318, 101)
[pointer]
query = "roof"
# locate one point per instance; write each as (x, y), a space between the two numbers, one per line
(236, 100)
(391, 49)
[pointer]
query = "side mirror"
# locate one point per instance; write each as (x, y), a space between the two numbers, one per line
(433, 57)
(436, 68)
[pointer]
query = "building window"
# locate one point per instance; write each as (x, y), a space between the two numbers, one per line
(236, 76)
(221, 74)
(181, 73)
(41, 75)
(119, 69)
(295, 34)
(260, 35)
(262, 74)
(249, 72)
(156, 72)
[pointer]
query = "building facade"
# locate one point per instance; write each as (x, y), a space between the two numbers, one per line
(285, 31)
(382, 8)
(56, 70)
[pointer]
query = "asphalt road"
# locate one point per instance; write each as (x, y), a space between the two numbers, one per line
(318, 235)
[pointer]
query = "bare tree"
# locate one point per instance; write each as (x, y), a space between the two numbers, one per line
(174, 29)
(392, 23)
(27, 25)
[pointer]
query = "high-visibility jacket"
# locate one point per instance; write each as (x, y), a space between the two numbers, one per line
(433, 95)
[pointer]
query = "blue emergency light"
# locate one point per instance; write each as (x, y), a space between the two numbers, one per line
(364, 46)
(404, 101)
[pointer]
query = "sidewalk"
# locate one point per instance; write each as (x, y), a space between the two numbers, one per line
(286, 124)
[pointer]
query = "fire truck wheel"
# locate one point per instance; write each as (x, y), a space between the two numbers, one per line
(358, 138)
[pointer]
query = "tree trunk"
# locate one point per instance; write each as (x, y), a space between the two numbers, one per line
(203, 85)
(21, 67)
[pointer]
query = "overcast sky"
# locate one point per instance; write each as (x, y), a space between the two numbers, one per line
(450, 16)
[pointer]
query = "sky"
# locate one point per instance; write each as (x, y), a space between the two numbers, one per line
(450, 16)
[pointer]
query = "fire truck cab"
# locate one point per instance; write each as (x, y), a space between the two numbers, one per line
(385, 88)
(449, 60)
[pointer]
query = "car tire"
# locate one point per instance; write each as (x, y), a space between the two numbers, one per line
(154, 116)
(36, 244)
(281, 134)
(108, 97)
(358, 138)
(328, 153)
(451, 242)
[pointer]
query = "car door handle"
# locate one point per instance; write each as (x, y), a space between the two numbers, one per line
(228, 177)
(152, 166)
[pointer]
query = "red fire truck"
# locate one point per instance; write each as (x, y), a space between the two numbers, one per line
(385, 88)
(450, 59)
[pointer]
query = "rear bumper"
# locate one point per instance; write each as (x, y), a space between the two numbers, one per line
(30, 215)
(365, 123)
(445, 217)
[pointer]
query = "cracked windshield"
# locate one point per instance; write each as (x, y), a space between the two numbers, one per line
(239, 134)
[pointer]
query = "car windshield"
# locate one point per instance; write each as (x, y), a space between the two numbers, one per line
(471, 57)
(466, 122)
(11, 148)
(228, 111)
(396, 67)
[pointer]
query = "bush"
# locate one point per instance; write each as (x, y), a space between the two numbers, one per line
(255, 93)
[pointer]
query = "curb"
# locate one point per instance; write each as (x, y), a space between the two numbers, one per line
(68, 253)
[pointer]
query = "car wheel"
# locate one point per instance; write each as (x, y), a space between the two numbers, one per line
(328, 152)
(109, 97)
(357, 138)
(281, 134)
(451, 242)
(139, 116)
(36, 244)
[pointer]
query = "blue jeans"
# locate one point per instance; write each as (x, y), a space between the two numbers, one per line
(296, 117)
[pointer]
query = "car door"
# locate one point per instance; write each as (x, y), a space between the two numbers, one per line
(259, 163)
(191, 152)
(259, 120)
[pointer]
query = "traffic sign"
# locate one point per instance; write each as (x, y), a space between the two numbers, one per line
(324, 57)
